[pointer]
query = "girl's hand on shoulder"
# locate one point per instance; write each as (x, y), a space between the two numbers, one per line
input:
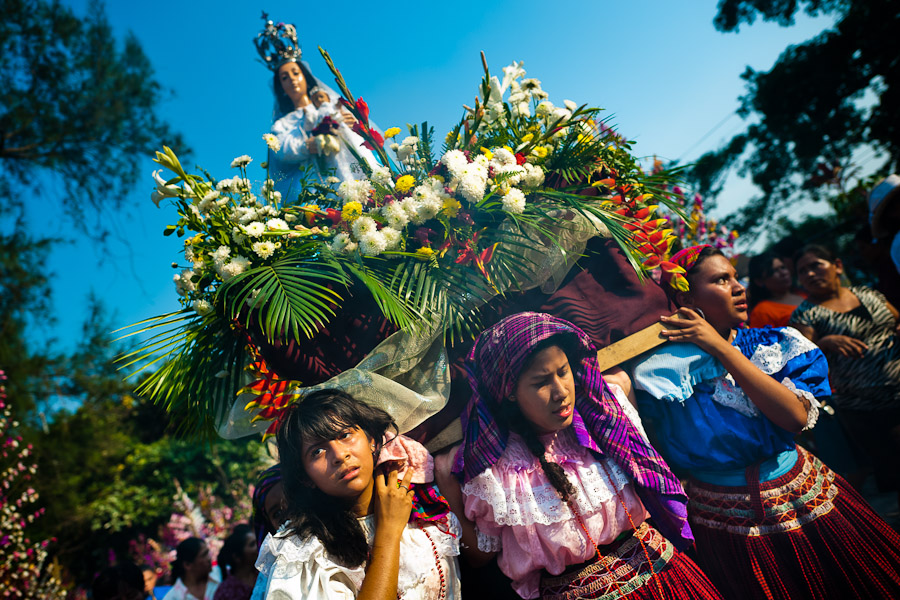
(311, 145)
(690, 327)
(393, 501)
(843, 345)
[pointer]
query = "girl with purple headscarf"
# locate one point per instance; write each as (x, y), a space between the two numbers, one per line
(557, 476)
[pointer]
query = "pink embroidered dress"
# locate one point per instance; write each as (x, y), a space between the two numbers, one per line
(519, 514)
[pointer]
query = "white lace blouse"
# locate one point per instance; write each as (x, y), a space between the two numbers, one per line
(303, 569)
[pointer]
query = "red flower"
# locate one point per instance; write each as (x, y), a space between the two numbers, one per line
(520, 158)
(363, 109)
(334, 215)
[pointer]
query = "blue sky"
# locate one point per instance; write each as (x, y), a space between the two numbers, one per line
(659, 67)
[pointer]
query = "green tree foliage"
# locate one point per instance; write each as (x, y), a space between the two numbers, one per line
(821, 101)
(24, 301)
(74, 103)
(107, 469)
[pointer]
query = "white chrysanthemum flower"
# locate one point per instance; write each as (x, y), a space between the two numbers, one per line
(223, 186)
(263, 249)
(471, 186)
(355, 191)
(411, 207)
(514, 201)
(482, 161)
(195, 211)
(410, 140)
(423, 192)
(241, 161)
(290, 218)
(272, 142)
(202, 307)
(534, 175)
(221, 254)
(382, 176)
(189, 253)
(395, 215)
(570, 105)
(342, 243)
(238, 236)
(544, 109)
(561, 114)
(392, 238)
(372, 243)
(456, 162)
(517, 172)
(429, 208)
(255, 229)
(183, 283)
(363, 226)
(235, 266)
(520, 109)
(502, 157)
(276, 225)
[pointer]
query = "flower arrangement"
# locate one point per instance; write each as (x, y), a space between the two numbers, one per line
(24, 571)
(432, 238)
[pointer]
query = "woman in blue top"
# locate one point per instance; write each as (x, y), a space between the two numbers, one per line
(770, 520)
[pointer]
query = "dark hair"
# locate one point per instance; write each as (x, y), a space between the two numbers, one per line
(760, 268)
(323, 415)
(124, 581)
(185, 552)
(233, 548)
(817, 251)
(516, 421)
(283, 102)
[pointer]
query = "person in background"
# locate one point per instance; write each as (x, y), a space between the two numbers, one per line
(150, 577)
(192, 571)
(237, 561)
(884, 214)
(771, 292)
(856, 328)
(269, 506)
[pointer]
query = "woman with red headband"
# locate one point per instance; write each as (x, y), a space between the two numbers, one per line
(770, 520)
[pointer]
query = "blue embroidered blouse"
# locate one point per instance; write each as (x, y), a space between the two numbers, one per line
(704, 421)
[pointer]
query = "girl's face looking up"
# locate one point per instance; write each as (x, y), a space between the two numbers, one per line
(716, 291)
(341, 467)
(545, 392)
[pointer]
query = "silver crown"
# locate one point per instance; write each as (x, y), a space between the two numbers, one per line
(277, 43)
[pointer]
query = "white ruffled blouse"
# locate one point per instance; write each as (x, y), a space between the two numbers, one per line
(303, 569)
(518, 513)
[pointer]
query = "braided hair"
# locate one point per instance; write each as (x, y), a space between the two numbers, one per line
(517, 423)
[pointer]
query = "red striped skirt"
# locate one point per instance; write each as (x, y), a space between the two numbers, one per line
(643, 566)
(806, 534)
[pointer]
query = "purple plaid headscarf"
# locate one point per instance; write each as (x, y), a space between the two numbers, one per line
(494, 366)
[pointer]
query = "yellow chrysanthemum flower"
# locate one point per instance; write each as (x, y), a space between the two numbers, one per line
(405, 183)
(540, 151)
(352, 211)
(424, 253)
(487, 153)
(527, 137)
(451, 207)
(391, 132)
